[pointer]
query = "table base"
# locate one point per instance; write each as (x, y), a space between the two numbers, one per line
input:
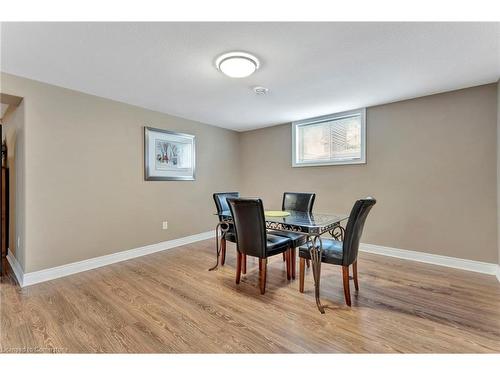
(221, 227)
(316, 249)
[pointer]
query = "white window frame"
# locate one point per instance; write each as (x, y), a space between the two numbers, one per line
(334, 116)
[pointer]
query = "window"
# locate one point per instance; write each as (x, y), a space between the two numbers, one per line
(330, 140)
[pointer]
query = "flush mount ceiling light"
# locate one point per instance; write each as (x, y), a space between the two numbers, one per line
(237, 64)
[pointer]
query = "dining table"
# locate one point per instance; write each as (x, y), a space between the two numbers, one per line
(313, 225)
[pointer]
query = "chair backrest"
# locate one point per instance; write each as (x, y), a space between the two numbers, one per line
(298, 201)
(250, 226)
(220, 200)
(354, 229)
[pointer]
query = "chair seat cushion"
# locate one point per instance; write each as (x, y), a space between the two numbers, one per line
(332, 251)
(276, 244)
(296, 239)
(230, 236)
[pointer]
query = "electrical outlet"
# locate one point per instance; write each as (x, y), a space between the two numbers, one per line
(165, 225)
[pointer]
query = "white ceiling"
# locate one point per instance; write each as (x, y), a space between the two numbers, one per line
(310, 68)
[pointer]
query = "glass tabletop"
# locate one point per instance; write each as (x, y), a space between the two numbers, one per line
(300, 221)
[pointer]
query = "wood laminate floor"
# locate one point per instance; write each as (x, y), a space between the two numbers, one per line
(169, 303)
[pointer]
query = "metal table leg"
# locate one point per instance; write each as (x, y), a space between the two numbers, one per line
(315, 249)
(338, 232)
(221, 227)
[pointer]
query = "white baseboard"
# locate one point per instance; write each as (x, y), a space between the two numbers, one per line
(16, 267)
(440, 260)
(36, 277)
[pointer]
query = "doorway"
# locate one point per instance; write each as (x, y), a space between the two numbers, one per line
(8, 105)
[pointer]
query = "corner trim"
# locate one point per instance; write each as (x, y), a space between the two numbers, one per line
(440, 260)
(16, 267)
(36, 277)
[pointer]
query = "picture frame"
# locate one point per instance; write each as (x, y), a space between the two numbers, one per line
(168, 155)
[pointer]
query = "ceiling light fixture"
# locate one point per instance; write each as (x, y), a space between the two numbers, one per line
(237, 64)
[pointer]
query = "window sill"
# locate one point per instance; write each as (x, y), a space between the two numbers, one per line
(327, 164)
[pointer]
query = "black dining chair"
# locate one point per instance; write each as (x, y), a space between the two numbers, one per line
(303, 202)
(252, 238)
(342, 253)
(222, 205)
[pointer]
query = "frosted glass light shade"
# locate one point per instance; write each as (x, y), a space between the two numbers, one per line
(237, 64)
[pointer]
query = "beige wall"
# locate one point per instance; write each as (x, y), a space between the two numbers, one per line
(430, 165)
(85, 191)
(14, 134)
(81, 191)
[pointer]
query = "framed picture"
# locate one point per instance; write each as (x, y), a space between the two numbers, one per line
(168, 155)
